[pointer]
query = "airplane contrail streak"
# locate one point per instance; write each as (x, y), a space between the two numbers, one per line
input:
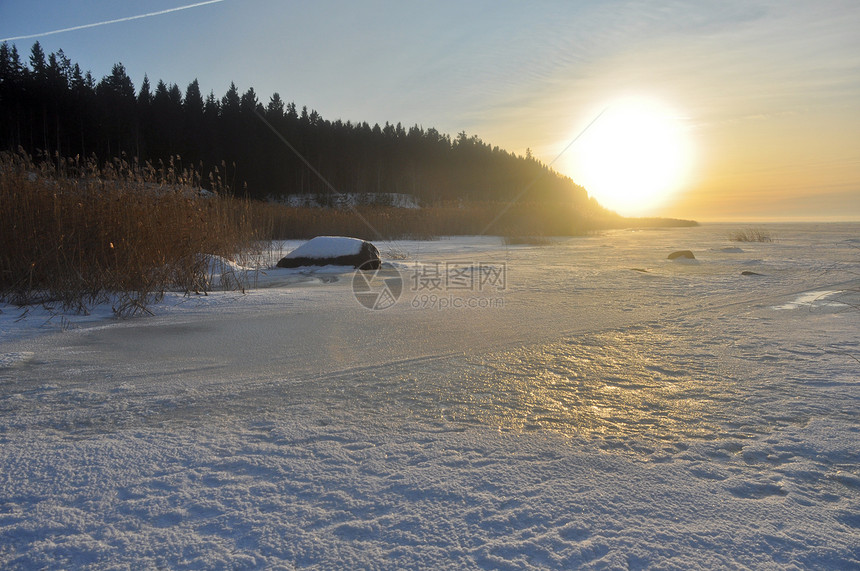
(106, 22)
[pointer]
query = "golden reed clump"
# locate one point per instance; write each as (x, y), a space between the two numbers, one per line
(78, 233)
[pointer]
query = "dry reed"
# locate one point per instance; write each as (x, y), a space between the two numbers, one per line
(78, 233)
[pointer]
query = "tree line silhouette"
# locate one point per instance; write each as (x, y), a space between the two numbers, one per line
(49, 105)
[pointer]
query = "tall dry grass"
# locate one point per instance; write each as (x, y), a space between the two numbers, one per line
(76, 233)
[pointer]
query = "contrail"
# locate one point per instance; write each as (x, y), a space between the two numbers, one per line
(106, 22)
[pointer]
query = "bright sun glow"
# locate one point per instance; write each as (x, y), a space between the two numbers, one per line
(634, 158)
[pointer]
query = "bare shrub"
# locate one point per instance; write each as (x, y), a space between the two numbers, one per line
(750, 235)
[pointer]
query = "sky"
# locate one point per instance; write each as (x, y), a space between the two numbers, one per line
(763, 96)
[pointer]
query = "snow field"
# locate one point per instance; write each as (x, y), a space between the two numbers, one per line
(680, 417)
(270, 492)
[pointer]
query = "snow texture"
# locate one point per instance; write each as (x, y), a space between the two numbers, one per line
(683, 417)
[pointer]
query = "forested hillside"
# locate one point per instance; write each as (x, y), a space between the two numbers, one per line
(49, 105)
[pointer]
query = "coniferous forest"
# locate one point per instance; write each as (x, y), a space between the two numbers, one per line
(50, 107)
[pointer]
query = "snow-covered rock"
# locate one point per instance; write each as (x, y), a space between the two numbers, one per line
(333, 251)
(682, 254)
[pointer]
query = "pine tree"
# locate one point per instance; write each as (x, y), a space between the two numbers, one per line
(275, 108)
(38, 67)
(195, 136)
(167, 121)
(249, 105)
(230, 102)
(145, 120)
(117, 103)
(144, 96)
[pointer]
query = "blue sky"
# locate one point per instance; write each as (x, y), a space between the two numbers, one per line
(768, 91)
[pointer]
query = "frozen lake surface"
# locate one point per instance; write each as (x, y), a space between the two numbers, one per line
(582, 404)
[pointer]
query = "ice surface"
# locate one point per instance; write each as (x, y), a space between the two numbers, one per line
(596, 417)
(810, 298)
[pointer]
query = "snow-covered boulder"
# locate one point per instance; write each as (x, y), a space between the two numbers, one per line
(682, 254)
(333, 251)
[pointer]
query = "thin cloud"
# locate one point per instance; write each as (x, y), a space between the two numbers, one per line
(106, 22)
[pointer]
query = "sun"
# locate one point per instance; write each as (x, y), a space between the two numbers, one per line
(634, 157)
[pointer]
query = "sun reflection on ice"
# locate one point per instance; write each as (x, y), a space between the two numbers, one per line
(616, 384)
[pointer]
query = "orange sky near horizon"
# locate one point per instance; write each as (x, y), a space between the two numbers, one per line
(797, 166)
(769, 100)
